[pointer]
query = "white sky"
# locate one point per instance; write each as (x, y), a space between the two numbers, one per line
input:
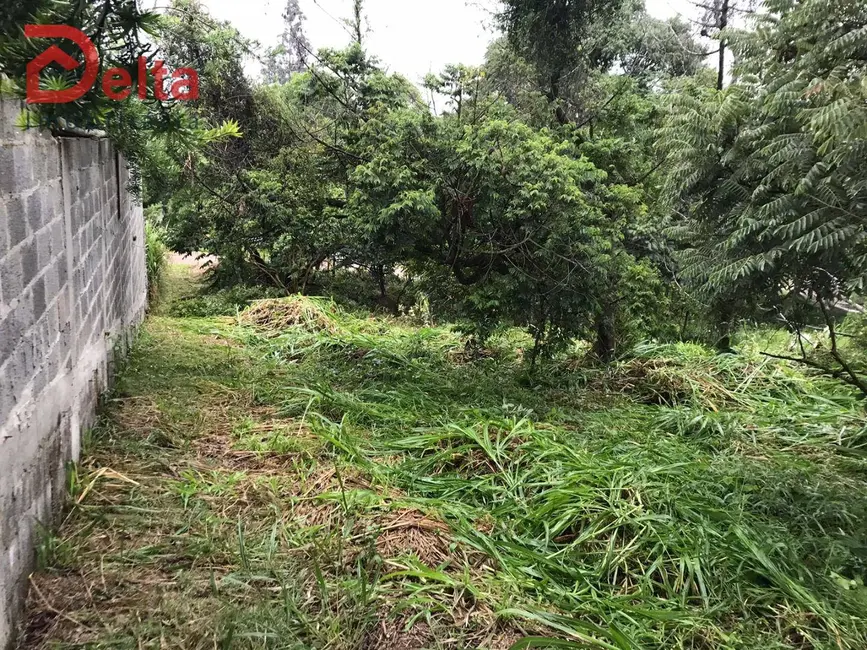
(412, 37)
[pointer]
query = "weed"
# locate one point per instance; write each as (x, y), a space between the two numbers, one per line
(315, 315)
(155, 261)
(324, 479)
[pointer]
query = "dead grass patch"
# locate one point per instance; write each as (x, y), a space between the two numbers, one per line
(462, 627)
(82, 608)
(237, 433)
(411, 532)
(277, 314)
(664, 382)
(140, 414)
(308, 508)
(221, 449)
(325, 479)
(398, 633)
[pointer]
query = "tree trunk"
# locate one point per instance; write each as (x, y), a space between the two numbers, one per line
(358, 21)
(684, 326)
(606, 336)
(723, 23)
(724, 342)
(554, 97)
(379, 274)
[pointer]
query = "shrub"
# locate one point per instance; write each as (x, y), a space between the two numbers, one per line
(155, 261)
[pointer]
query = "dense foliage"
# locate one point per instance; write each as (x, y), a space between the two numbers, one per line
(594, 199)
(498, 213)
(590, 180)
(772, 175)
(157, 135)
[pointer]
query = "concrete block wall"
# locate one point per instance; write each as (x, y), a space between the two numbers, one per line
(72, 289)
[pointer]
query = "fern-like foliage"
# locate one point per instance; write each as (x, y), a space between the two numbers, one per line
(770, 175)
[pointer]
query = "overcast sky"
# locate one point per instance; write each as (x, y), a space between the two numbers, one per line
(412, 37)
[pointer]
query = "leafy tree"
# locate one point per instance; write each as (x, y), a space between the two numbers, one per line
(563, 40)
(772, 170)
(528, 228)
(157, 136)
(718, 17)
(274, 210)
(658, 49)
(118, 29)
(513, 78)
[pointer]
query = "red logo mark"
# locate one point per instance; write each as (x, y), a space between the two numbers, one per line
(116, 82)
(55, 55)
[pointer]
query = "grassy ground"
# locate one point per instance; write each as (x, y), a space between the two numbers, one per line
(304, 478)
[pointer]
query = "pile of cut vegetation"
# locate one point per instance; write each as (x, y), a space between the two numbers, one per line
(278, 314)
(683, 373)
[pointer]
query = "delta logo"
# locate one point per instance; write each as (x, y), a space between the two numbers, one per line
(117, 83)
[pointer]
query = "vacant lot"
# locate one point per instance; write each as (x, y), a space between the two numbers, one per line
(299, 477)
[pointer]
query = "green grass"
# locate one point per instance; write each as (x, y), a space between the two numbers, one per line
(358, 482)
(155, 262)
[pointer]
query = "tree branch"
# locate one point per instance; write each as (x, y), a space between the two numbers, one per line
(835, 352)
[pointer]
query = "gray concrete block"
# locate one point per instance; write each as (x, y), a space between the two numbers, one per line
(7, 403)
(23, 157)
(10, 276)
(44, 254)
(29, 262)
(58, 238)
(9, 337)
(16, 220)
(57, 207)
(29, 355)
(38, 298)
(33, 210)
(52, 281)
(51, 158)
(64, 310)
(8, 183)
(10, 109)
(4, 231)
(40, 381)
(62, 269)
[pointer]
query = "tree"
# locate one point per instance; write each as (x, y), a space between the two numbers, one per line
(356, 22)
(528, 229)
(291, 55)
(658, 49)
(119, 30)
(718, 16)
(563, 40)
(158, 137)
(772, 170)
(618, 58)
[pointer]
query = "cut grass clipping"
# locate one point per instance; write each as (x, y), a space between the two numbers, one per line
(278, 314)
(308, 478)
